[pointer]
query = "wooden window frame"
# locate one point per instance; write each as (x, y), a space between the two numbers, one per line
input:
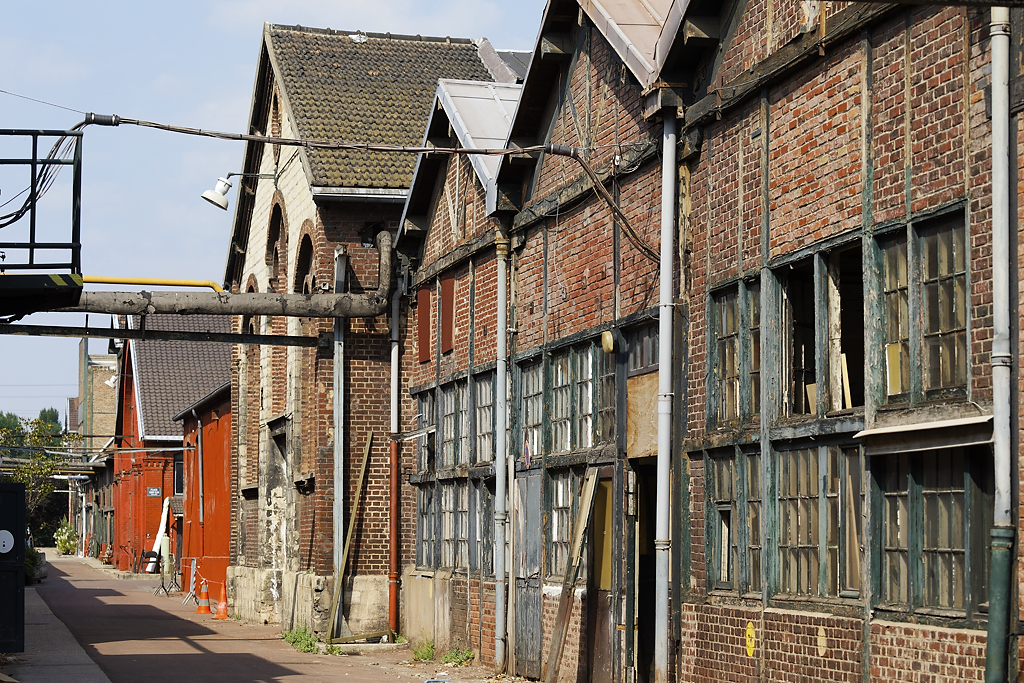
(747, 338)
(911, 596)
(484, 407)
(423, 316)
(446, 331)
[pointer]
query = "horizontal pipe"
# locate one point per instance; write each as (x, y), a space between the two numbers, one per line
(344, 305)
(156, 281)
(163, 335)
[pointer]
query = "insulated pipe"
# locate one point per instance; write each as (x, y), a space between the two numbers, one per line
(1002, 532)
(662, 542)
(152, 566)
(338, 305)
(500, 457)
(338, 506)
(394, 508)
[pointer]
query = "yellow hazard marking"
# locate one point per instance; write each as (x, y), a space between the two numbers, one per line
(751, 639)
(58, 279)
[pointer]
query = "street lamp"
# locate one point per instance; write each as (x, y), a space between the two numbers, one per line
(218, 195)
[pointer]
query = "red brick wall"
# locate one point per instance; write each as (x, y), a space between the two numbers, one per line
(926, 654)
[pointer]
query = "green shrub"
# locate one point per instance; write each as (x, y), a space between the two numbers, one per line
(31, 565)
(302, 639)
(66, 538)
(457, 656)
(398, 638)
(424, 652)
(332, 650)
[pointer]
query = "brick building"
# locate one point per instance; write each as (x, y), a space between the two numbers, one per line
(93, 419)
(448, 243)
(304, 417)
(832, 423)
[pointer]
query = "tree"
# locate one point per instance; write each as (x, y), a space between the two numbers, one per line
(33, 448)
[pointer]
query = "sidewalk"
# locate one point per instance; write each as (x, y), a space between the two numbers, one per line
(95, 628)
(52, 655)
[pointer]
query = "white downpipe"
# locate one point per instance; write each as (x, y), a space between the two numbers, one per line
(151, 567)
(199, 466)
(662, 540)
(338, 508)
(395, 319)
(500, 455)
(1001, 357)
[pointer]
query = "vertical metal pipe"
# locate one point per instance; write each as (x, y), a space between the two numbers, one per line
(662, 543)
(1002, 531)
(394, 508)
(500, 456)
(199, 463)
(338, 508)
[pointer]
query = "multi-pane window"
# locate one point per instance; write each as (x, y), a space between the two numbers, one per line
(606, 394)
(643, 350)
(753, 479)
(461, 523)
(897, 315)
(448, 522)
(533, 404)
(482, 548)
(561, 403)
(449, 420)
(454, 425)
(735, 388)
(938, 264)
(425, 527)
(936, 513)
(483, 396)
(561, 521)
(585, 397)
(727, 367)
(723, 539)
(944, 280)
(462, 423)
(424, 420)
(820, 500)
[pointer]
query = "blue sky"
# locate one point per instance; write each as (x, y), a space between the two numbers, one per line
(185, 63)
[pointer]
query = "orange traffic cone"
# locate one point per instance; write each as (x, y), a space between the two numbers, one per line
(222, 606)
(204, 600)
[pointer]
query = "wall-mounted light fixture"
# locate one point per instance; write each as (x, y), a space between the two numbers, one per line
(218, 196)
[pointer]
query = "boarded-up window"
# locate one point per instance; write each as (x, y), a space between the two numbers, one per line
(446, 333)
(423, 324)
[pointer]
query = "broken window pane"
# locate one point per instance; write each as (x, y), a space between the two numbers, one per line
(754, 520)
(798, 517)
(585, 397)
(484, 396)
(561, 402)
(727, 368)
(754, 322)
(800, 324)
(723, 502)
(533, 403)
(897, 323)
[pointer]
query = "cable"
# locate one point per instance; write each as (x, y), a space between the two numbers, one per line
(51, 104)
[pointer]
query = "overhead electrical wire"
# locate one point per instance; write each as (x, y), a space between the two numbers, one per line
(63, 144)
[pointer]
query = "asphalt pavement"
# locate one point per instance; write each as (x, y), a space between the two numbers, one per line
(86, 625)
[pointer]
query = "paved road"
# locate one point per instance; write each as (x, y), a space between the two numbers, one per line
(135, 636)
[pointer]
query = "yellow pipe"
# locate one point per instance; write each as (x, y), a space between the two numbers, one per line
(161, 282)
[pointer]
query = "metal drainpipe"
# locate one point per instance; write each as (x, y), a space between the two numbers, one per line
(394, 503)
(500, 456)
(199, 464)
(1002, 530)
(338, 508)
(662, 542)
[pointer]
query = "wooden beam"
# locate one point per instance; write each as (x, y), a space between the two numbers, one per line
(701, 30)
(571, 571)
(845, 23)
(340, 571)
(556, 46)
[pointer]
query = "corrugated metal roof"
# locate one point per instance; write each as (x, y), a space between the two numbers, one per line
(640, 31)
(480, 114)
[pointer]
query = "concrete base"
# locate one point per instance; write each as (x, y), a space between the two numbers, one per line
(294, 599)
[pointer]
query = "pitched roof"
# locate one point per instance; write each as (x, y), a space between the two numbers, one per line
(357, 87)
(480, 115)
(640, 31)
(171, 375)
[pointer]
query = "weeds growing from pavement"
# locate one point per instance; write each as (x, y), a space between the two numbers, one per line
(424, 652)
(302, 639)
(457, 656)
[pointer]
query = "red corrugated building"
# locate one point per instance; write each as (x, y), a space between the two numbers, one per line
(205, 529)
